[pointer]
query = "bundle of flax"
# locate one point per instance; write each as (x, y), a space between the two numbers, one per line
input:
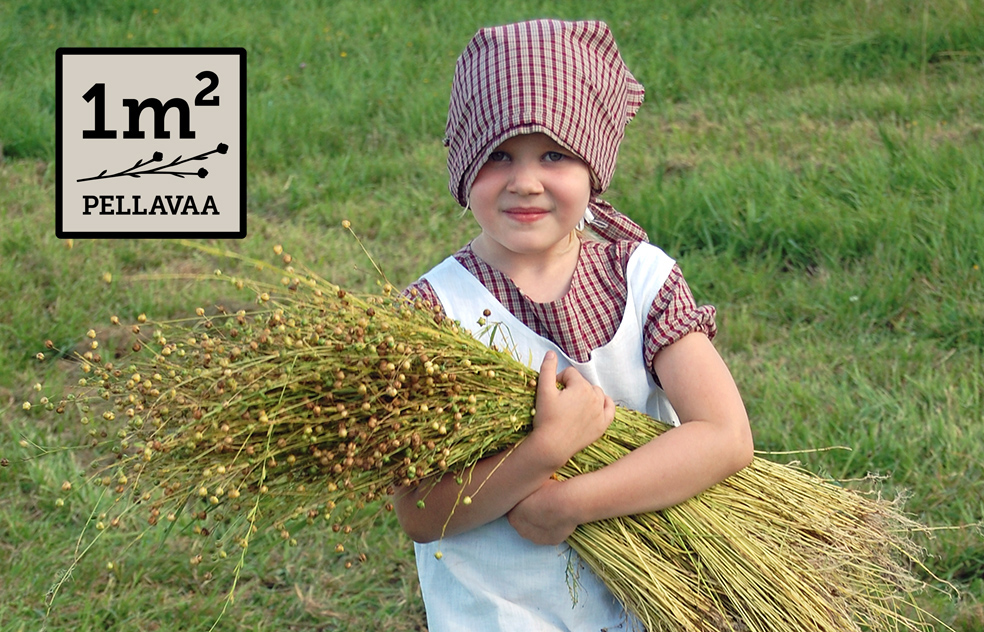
(318, 401)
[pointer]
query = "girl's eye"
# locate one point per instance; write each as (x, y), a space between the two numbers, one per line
(498, 156)
(553, 156)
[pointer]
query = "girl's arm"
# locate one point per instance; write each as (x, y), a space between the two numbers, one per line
(565, 422)
(713, 441)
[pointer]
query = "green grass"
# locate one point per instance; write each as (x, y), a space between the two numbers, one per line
(814, 166)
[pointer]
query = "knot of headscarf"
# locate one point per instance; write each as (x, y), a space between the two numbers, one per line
(563, 79)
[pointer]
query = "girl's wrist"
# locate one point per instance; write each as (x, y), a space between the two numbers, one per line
(545, 449)
(561, 501)
(585, 498)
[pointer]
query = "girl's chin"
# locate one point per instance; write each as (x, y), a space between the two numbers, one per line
(533, 247)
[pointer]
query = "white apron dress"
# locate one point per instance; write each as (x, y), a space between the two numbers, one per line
(490, 579)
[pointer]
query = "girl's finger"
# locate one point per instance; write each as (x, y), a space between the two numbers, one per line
(547, 380)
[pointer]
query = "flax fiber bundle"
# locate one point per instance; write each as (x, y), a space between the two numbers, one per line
(316, 401)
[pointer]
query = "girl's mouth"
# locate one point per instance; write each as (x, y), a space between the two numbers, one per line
(526, 215)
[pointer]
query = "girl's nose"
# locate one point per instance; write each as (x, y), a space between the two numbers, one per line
(525, 181)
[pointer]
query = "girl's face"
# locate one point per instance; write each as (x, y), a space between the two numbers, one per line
(529, 196)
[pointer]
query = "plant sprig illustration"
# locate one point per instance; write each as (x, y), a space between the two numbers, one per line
(161, 170)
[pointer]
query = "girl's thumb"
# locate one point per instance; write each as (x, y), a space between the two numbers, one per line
(548, 374)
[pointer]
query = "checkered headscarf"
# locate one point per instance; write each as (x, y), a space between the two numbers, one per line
(564, 79)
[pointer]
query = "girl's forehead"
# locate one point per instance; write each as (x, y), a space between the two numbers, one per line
(535, 139)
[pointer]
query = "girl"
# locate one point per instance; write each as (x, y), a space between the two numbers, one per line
(537, 112)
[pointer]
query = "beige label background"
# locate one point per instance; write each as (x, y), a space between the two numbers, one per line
(143, 76)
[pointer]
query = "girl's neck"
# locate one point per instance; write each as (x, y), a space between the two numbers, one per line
(544, 277)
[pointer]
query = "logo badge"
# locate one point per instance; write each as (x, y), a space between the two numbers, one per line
(151, 142)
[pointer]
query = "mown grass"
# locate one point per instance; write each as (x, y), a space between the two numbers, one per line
(814, 166)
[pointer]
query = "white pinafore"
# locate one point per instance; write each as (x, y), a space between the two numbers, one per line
(490, 579)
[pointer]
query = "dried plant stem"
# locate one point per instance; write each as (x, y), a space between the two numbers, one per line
(316, 403)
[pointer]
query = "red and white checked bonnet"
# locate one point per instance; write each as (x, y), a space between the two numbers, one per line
(564, 79)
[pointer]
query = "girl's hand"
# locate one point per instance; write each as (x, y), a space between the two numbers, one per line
(565, 422)
(540, 519)
(570, 419)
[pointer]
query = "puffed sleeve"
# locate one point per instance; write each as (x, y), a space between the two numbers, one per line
(674, 314)
(422, 290)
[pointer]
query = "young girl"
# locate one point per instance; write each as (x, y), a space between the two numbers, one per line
(537, 112)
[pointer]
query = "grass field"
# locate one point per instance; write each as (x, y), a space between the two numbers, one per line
(817, 168)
